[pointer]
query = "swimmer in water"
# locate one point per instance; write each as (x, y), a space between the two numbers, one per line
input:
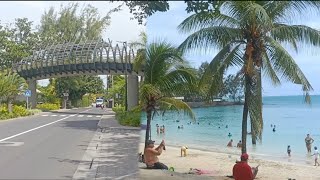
(229, 135)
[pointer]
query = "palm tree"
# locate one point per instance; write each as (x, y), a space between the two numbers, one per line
(166, 76)
(140, 45)
(11, 85)
(250, 36)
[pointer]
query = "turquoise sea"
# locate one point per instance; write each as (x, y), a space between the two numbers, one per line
(293, 119)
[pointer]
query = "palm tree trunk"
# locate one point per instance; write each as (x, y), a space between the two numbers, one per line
(9, 103)
(245, 115)
(149, 113)
(253, 135)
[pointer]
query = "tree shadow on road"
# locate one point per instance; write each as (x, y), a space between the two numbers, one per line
(81, 124)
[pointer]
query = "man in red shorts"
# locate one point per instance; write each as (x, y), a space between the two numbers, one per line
(242, 170)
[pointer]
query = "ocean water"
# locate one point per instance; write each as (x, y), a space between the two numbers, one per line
(293, 119)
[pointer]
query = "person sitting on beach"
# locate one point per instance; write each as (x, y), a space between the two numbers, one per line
(309, 142)
(151, 155)
(184, 150)
(289, 151)
(239, 145)
(230, 143)
(242, 171)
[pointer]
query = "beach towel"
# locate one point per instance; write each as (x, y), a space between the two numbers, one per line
(200, 171)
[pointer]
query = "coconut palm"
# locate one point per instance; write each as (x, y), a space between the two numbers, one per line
(166, 76)
(140, 45)
(250, 36)
(11, 85)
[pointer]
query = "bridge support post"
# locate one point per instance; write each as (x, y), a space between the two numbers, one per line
(32, 85)
(133, 91)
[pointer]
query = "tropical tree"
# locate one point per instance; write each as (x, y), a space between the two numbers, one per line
(233, 88)
(250, 36)
(11, 85)
(166, 75)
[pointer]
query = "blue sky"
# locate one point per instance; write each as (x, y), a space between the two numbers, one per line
(164, 26)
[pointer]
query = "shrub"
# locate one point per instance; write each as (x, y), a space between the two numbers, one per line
(118, 108)
(130, 118)
(48, 107)
(19, 111)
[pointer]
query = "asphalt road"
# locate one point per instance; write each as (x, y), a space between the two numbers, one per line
(48, 145)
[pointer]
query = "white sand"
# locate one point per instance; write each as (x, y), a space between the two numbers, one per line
(221, 164)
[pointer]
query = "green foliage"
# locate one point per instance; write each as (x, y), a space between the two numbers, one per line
(16, 41)
(117, 91)
(11, 84)
(48, 107)
(128, 118)
(78, 86)
(249, 35)
(34, 111)
(49, 93)
(233, 88)
(143, 9)
(71, 23)
(18, 111)
(118, 108)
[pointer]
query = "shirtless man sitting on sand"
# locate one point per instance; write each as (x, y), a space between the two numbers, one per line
(151, 155)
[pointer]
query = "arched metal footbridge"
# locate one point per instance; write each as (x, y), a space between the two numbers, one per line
(90, 57)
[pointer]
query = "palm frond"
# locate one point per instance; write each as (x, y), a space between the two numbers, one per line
(212, 37)
(283, 63)
(167, 103)
(296, 34)
(269, 72)
(206, 19)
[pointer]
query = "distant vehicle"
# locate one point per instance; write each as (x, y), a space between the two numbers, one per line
(100, 103)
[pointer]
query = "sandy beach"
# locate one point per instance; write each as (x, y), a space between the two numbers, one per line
(221, 164)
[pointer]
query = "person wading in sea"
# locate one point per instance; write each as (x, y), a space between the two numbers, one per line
(309, 142)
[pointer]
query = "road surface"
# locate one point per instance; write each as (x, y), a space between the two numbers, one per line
(46, 146)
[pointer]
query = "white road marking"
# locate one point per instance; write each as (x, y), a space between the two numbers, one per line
(6, 143)
(98, 116)
(30, 130)
(45, 115)
(89, 116)
(80, 115)
(73, 115)
(53, 115)
(63, 115)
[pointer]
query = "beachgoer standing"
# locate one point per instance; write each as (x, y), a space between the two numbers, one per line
(289, 151)
(158, 129)
(151, 155)
(309, 142)
(242, 170)
(230, 143)
(316, 156)
(239, 145)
